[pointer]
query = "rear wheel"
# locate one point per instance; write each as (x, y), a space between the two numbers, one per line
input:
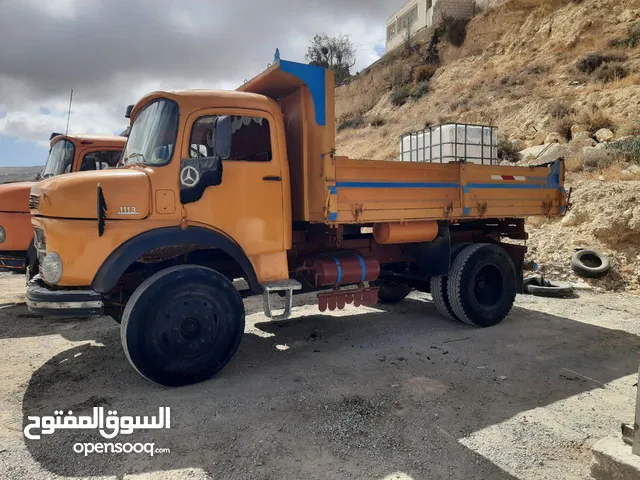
(392, 291)
(439, 291)
(482, 285)
(182, 325)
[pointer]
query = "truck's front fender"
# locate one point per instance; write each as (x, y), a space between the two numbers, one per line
(121, 258)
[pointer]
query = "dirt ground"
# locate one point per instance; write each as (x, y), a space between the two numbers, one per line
(377, 393)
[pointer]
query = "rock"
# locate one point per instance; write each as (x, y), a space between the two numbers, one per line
(604, 135)
(580, 136)
(538, 139)
(553, 153)
(532, 151)
(579, 144)
(574, 218)
(518, 143)
(575, 129)
(555, 137)
(630, 173)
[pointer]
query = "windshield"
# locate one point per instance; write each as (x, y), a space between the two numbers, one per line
(153, 134)
(60, 159)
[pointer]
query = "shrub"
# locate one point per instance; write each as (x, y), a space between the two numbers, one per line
(420, 91)
(456, 30)
(594, 121)
(629, 149)
(399, 96)
(563, 126)
(631, 41)
(355, 123)
(593, 61)
(424, 73)
(561, 110)
(507, 151)
(596, 159)
(377, 121)
(610, 72)
(631, 128)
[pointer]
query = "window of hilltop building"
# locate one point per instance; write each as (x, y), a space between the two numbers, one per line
(409, 18)
(391, 31)
(250, 139)
(100, 160)
(429, 4)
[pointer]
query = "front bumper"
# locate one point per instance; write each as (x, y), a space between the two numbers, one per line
(14, 261)
(45, 300)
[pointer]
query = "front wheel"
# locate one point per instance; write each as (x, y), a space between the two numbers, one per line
(182, 325)
(392, 291)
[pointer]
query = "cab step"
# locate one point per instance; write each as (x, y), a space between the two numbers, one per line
(287, 286)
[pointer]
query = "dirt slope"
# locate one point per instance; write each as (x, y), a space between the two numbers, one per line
(520, 68)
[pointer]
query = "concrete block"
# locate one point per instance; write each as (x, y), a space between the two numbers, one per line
(614, 460)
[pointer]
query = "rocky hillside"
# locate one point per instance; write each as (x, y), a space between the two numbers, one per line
(559, 78)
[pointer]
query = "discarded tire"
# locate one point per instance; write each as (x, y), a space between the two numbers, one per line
(590, 264)
(540, 287)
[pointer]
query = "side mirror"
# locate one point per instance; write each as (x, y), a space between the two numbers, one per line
(127, 114)
(223, 137)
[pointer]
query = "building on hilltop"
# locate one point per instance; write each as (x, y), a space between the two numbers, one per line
(416, 15)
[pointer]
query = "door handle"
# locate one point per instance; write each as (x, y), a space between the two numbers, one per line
(272, 179)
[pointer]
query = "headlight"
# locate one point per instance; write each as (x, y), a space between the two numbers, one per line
(52, 268)
(3, 235)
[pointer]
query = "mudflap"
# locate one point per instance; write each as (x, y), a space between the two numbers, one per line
(517, 254)
(434, 258)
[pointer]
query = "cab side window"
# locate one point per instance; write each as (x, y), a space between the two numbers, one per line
(250, 139)
(100, 160)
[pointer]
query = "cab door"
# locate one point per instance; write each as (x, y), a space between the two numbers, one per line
(247, 204)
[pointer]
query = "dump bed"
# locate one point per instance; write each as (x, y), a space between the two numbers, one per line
(338, 190)
(369, 191)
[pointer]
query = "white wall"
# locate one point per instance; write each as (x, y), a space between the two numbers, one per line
(420, 23)
(427, 17)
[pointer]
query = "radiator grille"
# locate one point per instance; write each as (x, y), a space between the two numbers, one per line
(34, 202)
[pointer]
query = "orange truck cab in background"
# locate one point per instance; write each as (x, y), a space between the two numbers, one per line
(68, 153)
(219, 185)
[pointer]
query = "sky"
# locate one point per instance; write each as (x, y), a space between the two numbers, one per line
(112, 52)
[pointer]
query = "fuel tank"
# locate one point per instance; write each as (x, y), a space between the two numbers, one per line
(344, 270)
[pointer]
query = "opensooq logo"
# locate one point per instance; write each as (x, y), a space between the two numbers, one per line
(109, 426)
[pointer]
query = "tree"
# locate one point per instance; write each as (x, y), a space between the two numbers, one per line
(336, 53)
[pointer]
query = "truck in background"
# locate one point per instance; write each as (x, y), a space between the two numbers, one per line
(68, 153)
(220, 185)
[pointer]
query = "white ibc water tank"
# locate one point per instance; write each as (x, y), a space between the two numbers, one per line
(451, 143)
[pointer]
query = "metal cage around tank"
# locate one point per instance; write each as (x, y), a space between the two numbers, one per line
(429, 145)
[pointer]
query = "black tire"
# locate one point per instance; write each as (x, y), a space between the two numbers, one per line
(482, 285)
(392, 291)
(182, 325)
(439, 288)
(590, 264)
(540, 287)
(32, 265)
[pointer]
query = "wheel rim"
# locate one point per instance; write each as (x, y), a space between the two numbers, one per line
(186, 328)
(488, 285)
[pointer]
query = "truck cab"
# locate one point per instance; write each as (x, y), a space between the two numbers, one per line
(216, 186)
(68, 153)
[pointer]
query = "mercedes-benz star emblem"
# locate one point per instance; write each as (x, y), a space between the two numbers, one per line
(189, 176)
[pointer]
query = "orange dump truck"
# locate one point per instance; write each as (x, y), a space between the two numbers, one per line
(223, 185)
(69, 153)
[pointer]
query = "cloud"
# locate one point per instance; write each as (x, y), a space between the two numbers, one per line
(111, 52)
